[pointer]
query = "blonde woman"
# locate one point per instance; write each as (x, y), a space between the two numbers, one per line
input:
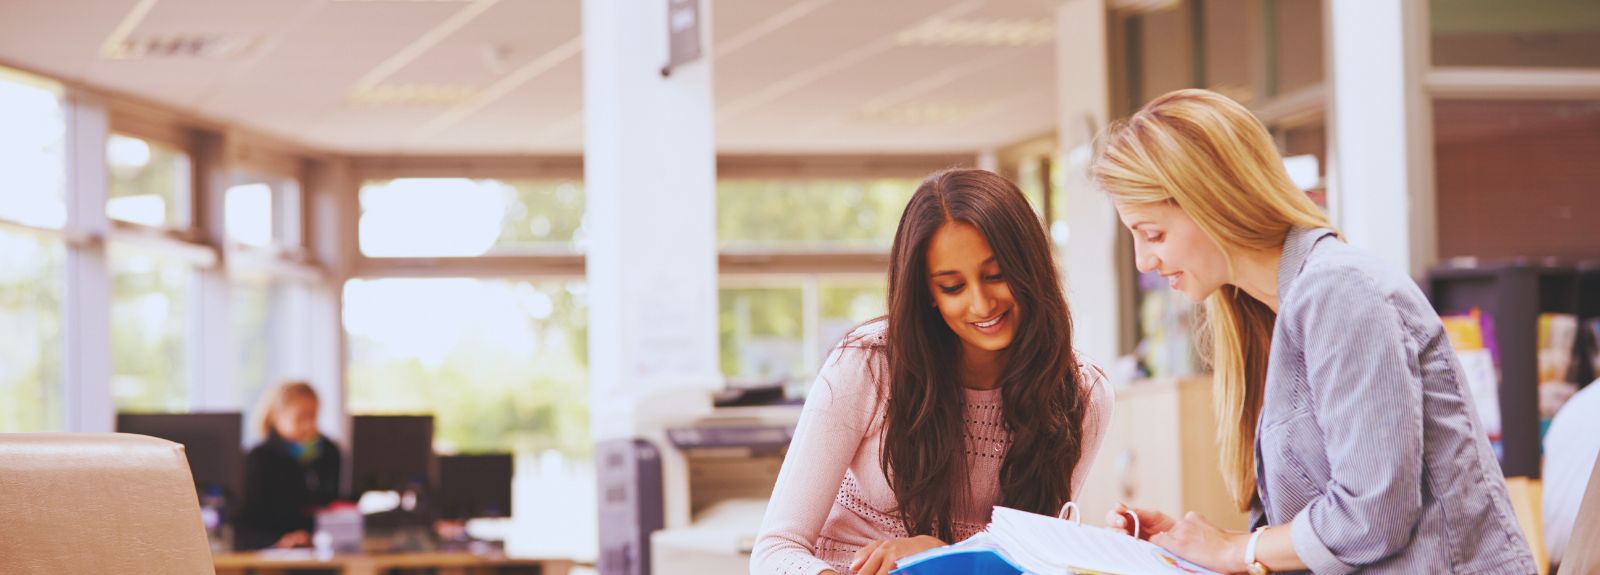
(294, 471)
(1346, 426)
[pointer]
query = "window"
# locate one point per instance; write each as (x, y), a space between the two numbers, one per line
(262, 211)
(1511, 33)
(33, 277)
(271, 326)
(248, 214)
(791, 214)
(31, 287)
(150, 183)
(149, 320)
(763, 332)
(458, 217)
(778, 330)
(251, 305)
(502, 364)
(32, 151)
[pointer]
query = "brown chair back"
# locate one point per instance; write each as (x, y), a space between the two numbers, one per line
(98, 503)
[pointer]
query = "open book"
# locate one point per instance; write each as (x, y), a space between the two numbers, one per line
(1021, 542)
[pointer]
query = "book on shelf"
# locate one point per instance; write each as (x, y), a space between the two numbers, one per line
(1472, 336)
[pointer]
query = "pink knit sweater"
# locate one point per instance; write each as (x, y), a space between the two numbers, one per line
(832, 497)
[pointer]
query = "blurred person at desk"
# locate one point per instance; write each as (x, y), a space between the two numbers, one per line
(289, 475)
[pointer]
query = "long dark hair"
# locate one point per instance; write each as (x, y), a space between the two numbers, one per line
(924, 448)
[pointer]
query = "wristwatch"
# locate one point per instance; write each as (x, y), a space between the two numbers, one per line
(1252, 566)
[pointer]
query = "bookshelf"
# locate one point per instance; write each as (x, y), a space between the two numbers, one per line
(1515, 294)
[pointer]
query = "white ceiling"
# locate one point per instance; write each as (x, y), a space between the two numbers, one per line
(818, 76)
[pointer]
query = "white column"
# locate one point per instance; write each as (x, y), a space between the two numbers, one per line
(650, 173)
(331, 210)
(213, 351)
(1380, 189)
(87, 364)
(1083, 84)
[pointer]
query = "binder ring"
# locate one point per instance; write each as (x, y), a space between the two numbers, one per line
(1131, 514)
(1073, 507)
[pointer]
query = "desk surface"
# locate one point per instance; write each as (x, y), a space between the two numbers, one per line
(377, 563)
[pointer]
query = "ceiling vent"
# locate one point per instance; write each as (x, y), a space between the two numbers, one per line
(177, 46)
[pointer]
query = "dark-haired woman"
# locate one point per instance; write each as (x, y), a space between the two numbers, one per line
(967, 395)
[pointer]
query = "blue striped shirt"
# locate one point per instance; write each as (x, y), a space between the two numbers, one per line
(1368, 443)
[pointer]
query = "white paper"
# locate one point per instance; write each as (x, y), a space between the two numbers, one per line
(1050, 546)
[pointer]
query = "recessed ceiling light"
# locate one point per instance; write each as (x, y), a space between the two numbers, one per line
(412, 95)
(920, 113)
(1143, 6)
(981, 32)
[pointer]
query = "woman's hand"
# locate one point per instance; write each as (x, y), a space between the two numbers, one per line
(293, 539)
(1151, 521)
(1198, 541)
(879, 557)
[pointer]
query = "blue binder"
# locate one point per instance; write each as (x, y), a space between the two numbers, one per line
(963, 562)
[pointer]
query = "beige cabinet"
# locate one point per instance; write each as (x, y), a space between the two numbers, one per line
(1161, 453)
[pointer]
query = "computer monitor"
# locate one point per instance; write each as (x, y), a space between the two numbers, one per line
(390, 452)
(473, 486)
(212, 441)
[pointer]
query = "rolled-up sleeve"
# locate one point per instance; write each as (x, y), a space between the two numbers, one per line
(1367, 393)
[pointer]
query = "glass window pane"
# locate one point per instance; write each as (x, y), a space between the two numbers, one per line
(845, 304)
(31, 287)
(502, 364)
(270, 320)
(149, 320)
(150, 183)
(251, 306)
(247, 214)
(32, 150)
(264, 211)
(458, 217)
(763, 332)
(811, 213)
(1515, 33)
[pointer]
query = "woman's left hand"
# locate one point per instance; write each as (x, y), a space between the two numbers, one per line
(1198, 541)
(879, 557)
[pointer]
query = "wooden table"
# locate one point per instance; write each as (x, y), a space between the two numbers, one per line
(381, 564)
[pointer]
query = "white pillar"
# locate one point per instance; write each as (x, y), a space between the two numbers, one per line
(87, 365)
(212, 346)
(1379, 179)
(650, 176)
(1083, 84)
(330, 209)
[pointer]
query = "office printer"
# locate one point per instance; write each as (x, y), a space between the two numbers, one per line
(689, 496)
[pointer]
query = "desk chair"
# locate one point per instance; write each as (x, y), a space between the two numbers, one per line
(98, 503)
(1583, 549)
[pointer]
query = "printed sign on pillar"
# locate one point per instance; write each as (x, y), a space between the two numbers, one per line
(683, 33)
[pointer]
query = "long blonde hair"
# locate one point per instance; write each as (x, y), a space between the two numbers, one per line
(278, 398)
(1209, 156)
